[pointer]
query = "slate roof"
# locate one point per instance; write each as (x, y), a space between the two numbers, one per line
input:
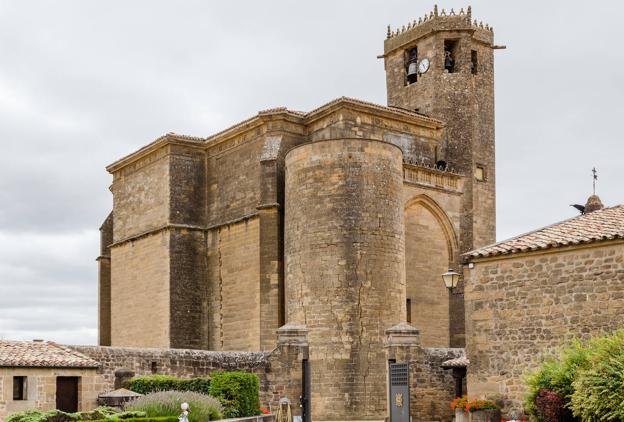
(42, 354)
(604, 224)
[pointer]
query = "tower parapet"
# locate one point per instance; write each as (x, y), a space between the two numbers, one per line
(437, 21)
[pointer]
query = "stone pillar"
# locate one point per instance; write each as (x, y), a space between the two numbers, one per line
(403, 345)
(104, 282)
(345, 268)
(271, 249)
(286, 376)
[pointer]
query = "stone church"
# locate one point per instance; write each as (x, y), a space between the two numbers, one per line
(340, 219)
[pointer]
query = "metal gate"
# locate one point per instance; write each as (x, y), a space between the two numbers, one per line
(306, 397)
(399, 392)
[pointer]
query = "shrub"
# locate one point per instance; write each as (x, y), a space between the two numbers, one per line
(237, 391)
(34, 416)
(599, 389)
(99, 413)
(588, 377)
(167, 403)
(144, 419)
(557, 375)
(153, 383)
(549, 406)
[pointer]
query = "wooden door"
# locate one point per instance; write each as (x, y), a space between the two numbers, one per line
(67, 394)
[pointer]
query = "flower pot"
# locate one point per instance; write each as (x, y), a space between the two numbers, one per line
(461, 416)
(490, 415)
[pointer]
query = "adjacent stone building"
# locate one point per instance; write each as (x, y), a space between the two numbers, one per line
(527, 295)
(44, 375)
(340, 219)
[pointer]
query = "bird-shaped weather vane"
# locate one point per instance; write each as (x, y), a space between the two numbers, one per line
(581, 208)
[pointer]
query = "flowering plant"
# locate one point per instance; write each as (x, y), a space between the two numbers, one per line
(472, 405)
(264, 411)
(459, 403)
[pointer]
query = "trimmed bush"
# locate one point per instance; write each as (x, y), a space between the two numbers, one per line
(167, 403)
(39, 416)
(154, 383)
(99, 413)
(238, 392)
(155, 419)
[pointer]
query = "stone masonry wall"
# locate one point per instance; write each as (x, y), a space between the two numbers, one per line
(141, 198)
(279, 371)
(239, 279)
(522, 307)
(140, 292)
(431, 387)
(41, 388)
(187, 294)
(443, 203)
(345, 268)
(428, 297)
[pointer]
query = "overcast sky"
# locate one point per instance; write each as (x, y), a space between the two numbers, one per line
(83, 83)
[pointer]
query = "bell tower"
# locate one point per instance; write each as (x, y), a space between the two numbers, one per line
(442, 65)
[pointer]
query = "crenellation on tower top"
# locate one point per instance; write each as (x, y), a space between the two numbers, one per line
(440, 21)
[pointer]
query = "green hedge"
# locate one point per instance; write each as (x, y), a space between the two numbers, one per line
(99, 413)
(237, 391)
(154, 419)
(154, 383)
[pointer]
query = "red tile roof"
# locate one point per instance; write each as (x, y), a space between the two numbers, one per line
(42, 354)
(604, 224)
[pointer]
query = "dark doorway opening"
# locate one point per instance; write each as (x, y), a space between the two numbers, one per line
(67, 394)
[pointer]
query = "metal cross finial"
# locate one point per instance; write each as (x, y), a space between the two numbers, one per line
(595, 178)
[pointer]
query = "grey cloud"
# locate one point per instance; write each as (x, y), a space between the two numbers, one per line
(84, 83)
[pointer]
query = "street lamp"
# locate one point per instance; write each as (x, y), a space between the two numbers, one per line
(450, 278)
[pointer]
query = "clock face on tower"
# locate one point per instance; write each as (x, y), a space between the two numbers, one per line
(423, 66)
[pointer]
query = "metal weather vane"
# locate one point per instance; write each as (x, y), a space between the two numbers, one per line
(595, 172)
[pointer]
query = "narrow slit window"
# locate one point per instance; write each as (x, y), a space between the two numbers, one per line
(154, 367)
(450, 55)
(408, 308)
(19, 388)
(474, 62)
(480, 173)
(411, 65)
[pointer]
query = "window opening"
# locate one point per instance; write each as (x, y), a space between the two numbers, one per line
(450, 53)
(411, 66)
(480, 173)
(408, 307)
(474, 62)
(19, 388)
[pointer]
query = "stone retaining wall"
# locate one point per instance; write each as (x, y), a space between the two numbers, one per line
(280, 371)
